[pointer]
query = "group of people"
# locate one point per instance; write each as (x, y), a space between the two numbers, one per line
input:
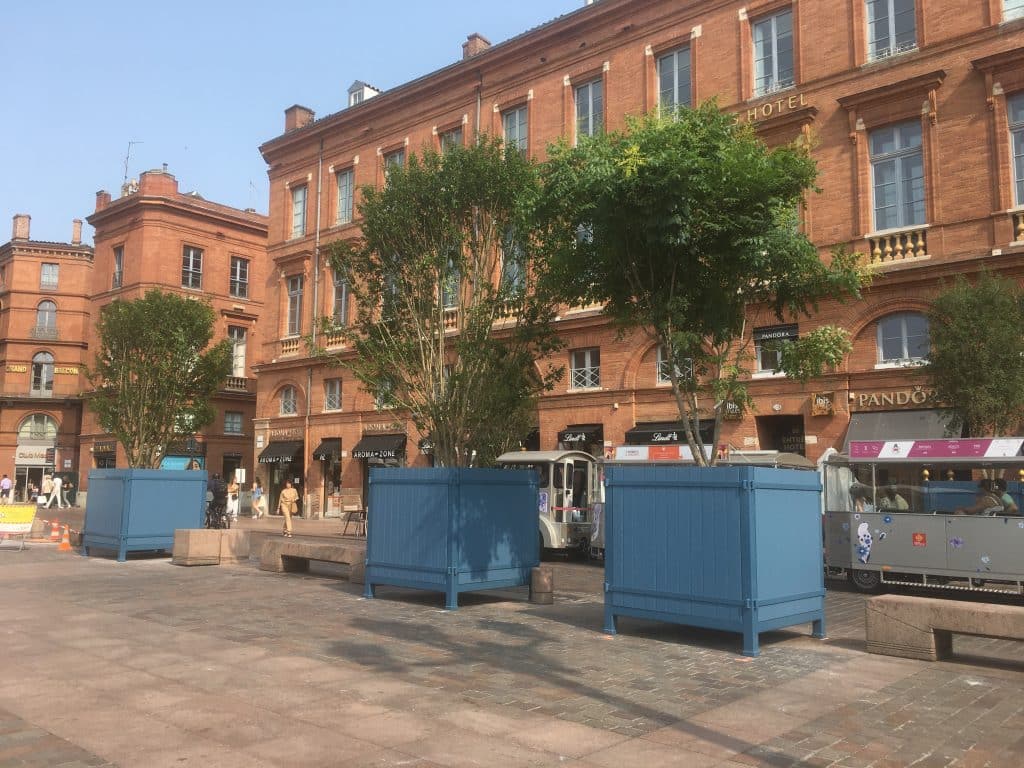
(287, 505)
(53, 490)
(991, 499)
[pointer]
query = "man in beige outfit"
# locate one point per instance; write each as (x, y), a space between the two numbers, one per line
(287, 505)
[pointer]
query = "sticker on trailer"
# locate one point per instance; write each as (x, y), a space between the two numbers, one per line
(542, 502)
(920, 539)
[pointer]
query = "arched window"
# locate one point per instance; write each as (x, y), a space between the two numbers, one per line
(42, 374)
(38, 426)
(289, 402)
(903, 337)
(46, 316)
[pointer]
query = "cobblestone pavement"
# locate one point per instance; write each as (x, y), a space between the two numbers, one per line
(144, 663)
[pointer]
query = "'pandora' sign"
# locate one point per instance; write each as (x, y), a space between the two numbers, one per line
(901, 398)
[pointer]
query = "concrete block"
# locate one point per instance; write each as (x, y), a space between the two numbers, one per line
(542, 585)
(196, 546)
(234, 546)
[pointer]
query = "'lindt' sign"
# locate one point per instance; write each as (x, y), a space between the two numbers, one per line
(665, 437)
(574, 437)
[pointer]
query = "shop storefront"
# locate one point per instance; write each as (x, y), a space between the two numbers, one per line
(31, 462)
(582, 437)
(378, 450)
(283, 461)
(104, 454)
(328, 453)
(185, 455)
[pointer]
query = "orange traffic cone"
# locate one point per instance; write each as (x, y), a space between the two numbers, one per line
(65, 542)
(54, 530)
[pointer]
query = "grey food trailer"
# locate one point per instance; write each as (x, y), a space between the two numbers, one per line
(568, 488)
(894, 515)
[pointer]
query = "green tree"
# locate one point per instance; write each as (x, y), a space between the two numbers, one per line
(976, 361)
(155, 372)
(445, 327)
(680, 225)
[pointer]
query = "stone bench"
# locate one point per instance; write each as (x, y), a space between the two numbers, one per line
(203, 546)
(923, 627)
(288, 555)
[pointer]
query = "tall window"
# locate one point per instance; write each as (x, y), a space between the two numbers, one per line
(684, 371)
(773, 53)
(1015, 110)
(239, 280)
(590, 109)
(46, 316)
(345, 195)
(237, 337)
(48, 276)
(766, 345)
(450, 285)
(903, 337)
(897, 169)
(42, 374)
(585, 368)
(341, 293)
(514, 122)
(232, 422)
(1013, 9)
(299, 211)
(513, 264)
(674, 86)
(449, 139)
(38, 426)
(117, 279)
(191, 267)
(892, 27)
(295, 305)
(394, 159)
(289, 401)
(332, 394)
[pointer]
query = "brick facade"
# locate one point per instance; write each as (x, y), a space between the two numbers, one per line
(951, 82)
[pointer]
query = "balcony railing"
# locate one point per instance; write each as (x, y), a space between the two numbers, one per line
(595, 305)
(586, 378)
(236, 384)
(290, 346)
(451, 319)
(47, 285)
(898, 245)
(333, 339)
(43, 332)
(1018, 226)
(40, 392)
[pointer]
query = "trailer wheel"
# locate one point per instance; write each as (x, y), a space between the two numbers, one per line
(865, 581)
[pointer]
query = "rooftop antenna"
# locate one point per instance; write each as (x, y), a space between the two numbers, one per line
(127, 157)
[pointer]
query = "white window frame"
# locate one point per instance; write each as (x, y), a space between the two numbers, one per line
(41, 384)
(590, 108)
(298, 228)
(513, 265)
(908, 209)
(451, 286)
(346, 195)
(515, 124)
(767, 368)
(46, 315)
(906, 358)
(238, 336)
(192, 267)
(238, 282)
(585, 368)
(393, 159)
(1014, 104)
(49, 276)
(672, 59)
(289, 401)
(233, 419)
(453, 137)
(661, 367)
(1013, 9)
(332, 394)
(117, 279)
(294, 286)
(339, 312)
(769, 76)
(876, 48)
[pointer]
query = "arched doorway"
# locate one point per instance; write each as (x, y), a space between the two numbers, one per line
(34, 457)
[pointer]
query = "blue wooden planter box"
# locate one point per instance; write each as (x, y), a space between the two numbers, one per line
(131, 510)
(451, 530)
(733, 548)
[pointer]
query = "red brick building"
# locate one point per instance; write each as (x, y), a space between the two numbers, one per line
(916, 111)
(154, 236)
(44, 314)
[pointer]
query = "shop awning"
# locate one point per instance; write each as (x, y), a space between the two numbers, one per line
(581, 435)
(897, 425)
(379, 447)
(282, 451)
(329, 448)
(666, 433)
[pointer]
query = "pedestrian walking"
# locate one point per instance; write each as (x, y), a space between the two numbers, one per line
(45, 491)
(55, 493)
(233, 499)
(287, 505)
(258, 500)
(5, 490)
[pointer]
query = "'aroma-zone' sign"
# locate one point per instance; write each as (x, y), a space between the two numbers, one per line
(917, 397)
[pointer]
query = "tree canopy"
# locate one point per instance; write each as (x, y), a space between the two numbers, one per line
(679, 225)
(155, 372)
(976, 361)
(446, 325)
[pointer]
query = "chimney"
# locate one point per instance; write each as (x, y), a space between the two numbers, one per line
(475, 43)
(76, 231)
(21, 226)
(297, 116)
(102, 200)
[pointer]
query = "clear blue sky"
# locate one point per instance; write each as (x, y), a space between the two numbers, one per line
(201, 85)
